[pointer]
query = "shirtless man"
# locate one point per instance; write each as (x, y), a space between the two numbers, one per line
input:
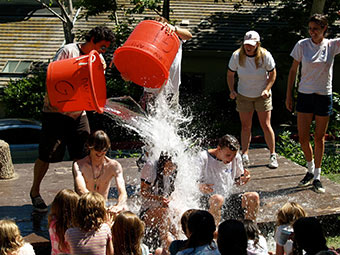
(96, 171)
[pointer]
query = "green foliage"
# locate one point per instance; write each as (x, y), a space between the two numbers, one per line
(291, 149)
(95, 7)
(141, 6)
(334, 121)
(24, 98)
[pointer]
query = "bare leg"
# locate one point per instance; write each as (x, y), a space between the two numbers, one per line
(246, 122)
(321, 124)
(269, 136)
(40, 169)
(251, 204)
(215, 206)
(304, 121)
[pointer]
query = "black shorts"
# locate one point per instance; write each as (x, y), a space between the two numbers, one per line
(320, 105)
(231, 209)
(59, 131)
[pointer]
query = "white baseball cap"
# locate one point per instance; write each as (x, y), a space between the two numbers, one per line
(251, 37)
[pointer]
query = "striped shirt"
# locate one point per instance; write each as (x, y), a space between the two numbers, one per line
(92, 242)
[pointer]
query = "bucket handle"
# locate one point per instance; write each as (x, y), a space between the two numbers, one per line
(93, 58)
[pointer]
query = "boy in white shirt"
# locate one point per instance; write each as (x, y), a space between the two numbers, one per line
(221, 167)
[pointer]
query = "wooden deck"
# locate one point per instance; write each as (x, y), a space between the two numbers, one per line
(275, 186)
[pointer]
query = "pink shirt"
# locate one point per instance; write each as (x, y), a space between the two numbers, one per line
(55, 240)
(92, 242)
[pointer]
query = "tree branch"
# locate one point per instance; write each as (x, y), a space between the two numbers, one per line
(64, 12)
(51, 10)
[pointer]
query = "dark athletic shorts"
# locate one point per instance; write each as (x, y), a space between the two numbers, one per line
(59, 131)
(231, 209)
(320, 105)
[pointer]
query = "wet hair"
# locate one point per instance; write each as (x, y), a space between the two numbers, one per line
(319, 19)
(289, 213)
(229, 141)
(62, 212)
(99, 141)
(10, 237)
(309, 236)
(91, 212)
(162, 160)
(232, 238)
(252, 230)
(185, 219)
(127, 234)
(201, 226)
(100, 33)
(259, 55)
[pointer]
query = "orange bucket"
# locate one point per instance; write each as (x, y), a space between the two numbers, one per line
(77, 84)
(147, 55)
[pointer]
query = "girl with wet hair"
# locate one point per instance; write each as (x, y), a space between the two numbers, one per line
(286, 216)
(91, 233)
(157, 184)
(127, 235)
(11, 241)
(201, 229)
(60, 219)
(257, 244)
(232, 238)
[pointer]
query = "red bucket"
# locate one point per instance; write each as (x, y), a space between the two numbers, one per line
(147, 55)
(77, 84)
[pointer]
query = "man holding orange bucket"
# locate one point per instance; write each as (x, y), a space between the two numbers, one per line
(69, 129)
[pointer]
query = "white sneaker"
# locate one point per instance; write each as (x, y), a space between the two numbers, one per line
(245, 160)
(273, 161)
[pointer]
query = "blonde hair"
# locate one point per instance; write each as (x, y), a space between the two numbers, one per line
(289, 213)
(62, 212)
(91, 212)
(259, 55)
(127, 234)
(10, 237)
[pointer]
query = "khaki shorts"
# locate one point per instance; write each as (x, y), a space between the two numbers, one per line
(249, 104)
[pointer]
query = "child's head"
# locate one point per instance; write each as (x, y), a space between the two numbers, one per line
(201, 226)
(227, 148)
(308, 235)
(184, 221)
(252, 229)
(232, 238)
(91, 211)
(127, 233)
(289, 213)
(165, 164)
(62, 212)
(10, 237)
(98, 141)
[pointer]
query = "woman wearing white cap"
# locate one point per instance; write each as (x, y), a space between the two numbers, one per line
(316, 55)
(256, 71)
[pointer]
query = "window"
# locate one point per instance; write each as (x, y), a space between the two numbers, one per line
(17, 66)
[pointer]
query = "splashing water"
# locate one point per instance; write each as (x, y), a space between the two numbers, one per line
(165, 129)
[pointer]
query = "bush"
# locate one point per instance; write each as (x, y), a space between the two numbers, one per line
(24, 98)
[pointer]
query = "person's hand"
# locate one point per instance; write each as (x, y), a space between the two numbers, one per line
(289, 104)
(233, 94)
(110, 218)
(245, 177)
(169, 28)
(165, 201)
(117, 209)
(265, 93)
(206, 188)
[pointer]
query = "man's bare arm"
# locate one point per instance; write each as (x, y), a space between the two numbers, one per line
(78, 178)
(122, 197)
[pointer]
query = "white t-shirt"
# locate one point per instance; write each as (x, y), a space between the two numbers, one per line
(26, 249)
(261, 247)
(214, 171)
(317, 64)
(281, 236)
(149, 175)
(252, 81)
(174, 80)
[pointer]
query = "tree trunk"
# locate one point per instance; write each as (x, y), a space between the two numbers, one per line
(166, 9)
(318, 6)
(6, 165)
(69, 36)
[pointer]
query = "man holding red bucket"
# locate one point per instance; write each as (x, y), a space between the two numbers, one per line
(69, 129)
